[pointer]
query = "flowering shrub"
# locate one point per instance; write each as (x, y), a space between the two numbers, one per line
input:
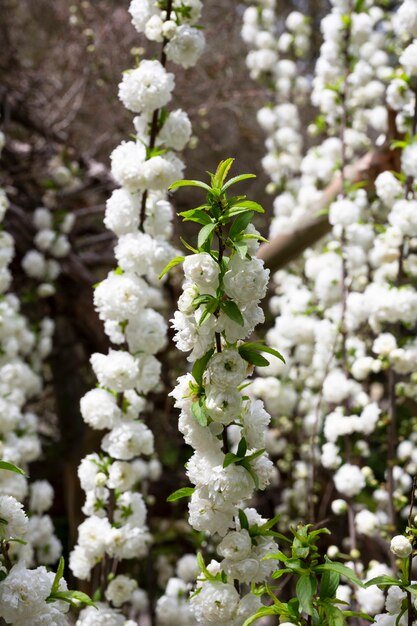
(128, 302)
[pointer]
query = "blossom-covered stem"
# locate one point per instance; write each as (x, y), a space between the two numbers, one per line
(155, 121)
(392, 446)
(218, 310)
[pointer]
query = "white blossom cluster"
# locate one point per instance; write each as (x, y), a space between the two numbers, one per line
(51, 244)
(128, 302)
(232, 421)
(23, 351)
(347, 311)
(274, 61)
(25, 542)
(24, 592)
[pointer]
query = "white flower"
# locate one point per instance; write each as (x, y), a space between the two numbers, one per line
(388, 188)
(120, 590)
(226, 369)
(236, 545)
(34, 264)
(202, 270)
(146, 88)
(99, 409)
(409, 160)
(134, 252)
(223, 406)
(128, 440)
(127, 165)
(246, 280)
(349, 480)
(130, 510)
(186, 46)
(122, 212)
(176, 131)
(120, 297)
(128, 542)
(401, 546)
(23, 593)
(366, 522)
(118, 370)
(188, 568)
(100, 615)
(403, 217)
(408, 59)
(146, 332)
(13, 519)
(41, 496)
(343, 212)
(93, 533)
(216, 603)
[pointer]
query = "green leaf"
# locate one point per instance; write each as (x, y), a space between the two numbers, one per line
(200, 365)
(249, 205)
(305, 589)
(244, 522)
(173, 263)
(203, 299)
(334, 615)
(232, 311)
(230, 458)
(246, 464)
(252, 356)
(236, 179)
(260, 347)
(203, 567)
(358, 614)
(198, 410)
(205, 234)
(240, 223)
(328, 584)
(280, 573)
(72, 597)
(383, 581)
(185, 492)
(222, 172)
(343, 570)
(210, 308)
(188, 246)
(265, 610)
(273, 521)
(241, 248)
(195, 215)
(10, 467)
(254, 455)
(59, 574)
(242, 448)
(189, 183)
(232, 212)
